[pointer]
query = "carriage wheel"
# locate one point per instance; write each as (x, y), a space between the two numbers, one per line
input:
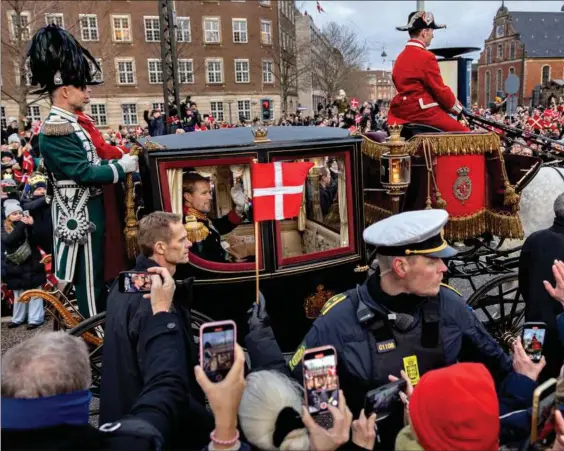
(56, 305)
(501, 308)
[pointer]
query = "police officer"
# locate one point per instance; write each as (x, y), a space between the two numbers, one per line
(206, 234)
(402, 317)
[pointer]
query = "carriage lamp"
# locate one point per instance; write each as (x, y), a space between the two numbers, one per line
(395, 167)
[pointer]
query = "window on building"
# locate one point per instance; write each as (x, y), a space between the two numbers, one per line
(499, 80)
(240, 30)
(488, 55)
(487, 89)
(89, 27)
(216, 110)
(185, 71)
(125, 71)
(152, 29)
(545, 75)
(183, 29)
(244, 109)
(512, 51)
(264, 2)
(99, 75)
(121, 28)
(212, 33)
(155, 68)
(33, 113)
(3, 122)
(99, 114)
(158, 106)
(500, 51)
(214, 70)
(512, 71)
(55, 18)
(268, 72)
(242, 71)
(27, 72)
(266, 31)
(129, 114)
(20, 28)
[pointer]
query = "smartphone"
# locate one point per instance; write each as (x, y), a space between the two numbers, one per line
(532, 338)
(544, 402)
(217, 348)
(134, 282)
(381, 399)
(321, 382)
(26, 213)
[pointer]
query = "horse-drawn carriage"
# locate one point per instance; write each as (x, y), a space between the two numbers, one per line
(303, 261)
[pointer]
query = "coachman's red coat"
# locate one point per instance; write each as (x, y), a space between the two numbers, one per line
(422, 96)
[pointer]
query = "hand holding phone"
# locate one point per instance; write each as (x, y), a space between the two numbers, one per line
(321, 382)
(523, 364)
(533, 336)
(135, 282)
(381, 400)
(217, 348)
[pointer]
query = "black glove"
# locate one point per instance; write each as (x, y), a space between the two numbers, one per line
(258, 318)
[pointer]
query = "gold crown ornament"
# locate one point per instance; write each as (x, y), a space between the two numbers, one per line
(260, 134)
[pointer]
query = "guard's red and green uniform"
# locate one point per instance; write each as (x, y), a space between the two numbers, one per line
(76, 174)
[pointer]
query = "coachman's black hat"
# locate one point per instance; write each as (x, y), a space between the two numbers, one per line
(419, 20)
(57, 59)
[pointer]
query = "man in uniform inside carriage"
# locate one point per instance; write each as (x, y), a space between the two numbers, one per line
(61, 67)
(422, 96)
(204, 232)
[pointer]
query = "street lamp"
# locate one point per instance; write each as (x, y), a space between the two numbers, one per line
(395, 167)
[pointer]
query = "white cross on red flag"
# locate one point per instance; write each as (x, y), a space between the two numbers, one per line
(354, 103)
(278, 189)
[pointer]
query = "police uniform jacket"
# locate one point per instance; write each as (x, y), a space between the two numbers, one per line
(148, 422)
(422, 97)
(124, 356)
(447, 332)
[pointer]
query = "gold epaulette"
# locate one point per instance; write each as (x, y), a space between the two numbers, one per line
(452, 288)
(57, 126)
(332, 303)
(197, 231)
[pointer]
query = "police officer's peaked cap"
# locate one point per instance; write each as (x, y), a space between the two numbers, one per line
(411, 233)
(419, 20)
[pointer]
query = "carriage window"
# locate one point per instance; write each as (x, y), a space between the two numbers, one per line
(215, 205)
(323, 222)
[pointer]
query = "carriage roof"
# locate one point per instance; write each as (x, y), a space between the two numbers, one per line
(235, 138)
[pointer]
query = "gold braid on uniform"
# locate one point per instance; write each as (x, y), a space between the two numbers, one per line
(55, 126)
(197, 231)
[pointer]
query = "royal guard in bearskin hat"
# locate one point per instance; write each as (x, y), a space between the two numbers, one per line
(61, 67)
(422, 96)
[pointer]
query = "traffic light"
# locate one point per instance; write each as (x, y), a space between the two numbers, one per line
(266, 106)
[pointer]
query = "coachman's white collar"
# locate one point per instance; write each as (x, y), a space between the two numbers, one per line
(416, 43)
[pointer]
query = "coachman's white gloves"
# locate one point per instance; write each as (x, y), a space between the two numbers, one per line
(129, 163)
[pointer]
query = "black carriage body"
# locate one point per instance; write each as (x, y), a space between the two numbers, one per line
(287, 278)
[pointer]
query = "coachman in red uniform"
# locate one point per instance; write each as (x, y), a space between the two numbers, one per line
(422, 96)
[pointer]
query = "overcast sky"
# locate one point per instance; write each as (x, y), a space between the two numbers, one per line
(469, 23)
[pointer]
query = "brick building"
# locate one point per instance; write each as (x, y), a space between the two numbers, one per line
(527, 44)
(228, 54)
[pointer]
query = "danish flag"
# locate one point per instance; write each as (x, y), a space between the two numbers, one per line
(319, 8)
(354, 103)
(278, 189)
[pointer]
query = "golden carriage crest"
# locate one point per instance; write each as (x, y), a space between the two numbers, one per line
(462, 188)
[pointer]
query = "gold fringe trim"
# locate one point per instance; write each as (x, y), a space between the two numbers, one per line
(504, 225)
(464, 227)
(197, 231)
(57, 128)
(439, 144)
(373, 214)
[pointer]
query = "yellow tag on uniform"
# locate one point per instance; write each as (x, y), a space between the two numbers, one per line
(411, 368)
(297, 357)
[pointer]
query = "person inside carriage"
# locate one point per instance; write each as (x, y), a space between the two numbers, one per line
(422, 96)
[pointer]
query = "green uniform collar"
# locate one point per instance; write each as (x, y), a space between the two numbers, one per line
(55, 110)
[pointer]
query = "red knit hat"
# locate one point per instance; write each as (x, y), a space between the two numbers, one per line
(456, 408)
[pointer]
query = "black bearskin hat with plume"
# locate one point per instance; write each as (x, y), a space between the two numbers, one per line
(57, 59)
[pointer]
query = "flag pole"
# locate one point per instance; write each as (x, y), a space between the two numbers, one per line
(255, 161)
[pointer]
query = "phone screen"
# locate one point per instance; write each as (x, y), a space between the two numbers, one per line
(217, 349)
(533, 341)
(544, 414)
(320, 379)
(382, 399)
(135, 282)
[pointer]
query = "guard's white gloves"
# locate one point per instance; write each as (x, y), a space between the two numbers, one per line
(128, 163)
(239, 199)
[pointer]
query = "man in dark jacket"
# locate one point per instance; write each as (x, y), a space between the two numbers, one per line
(402, 317)
(155, 122)
(163, 242)
(45, 380)
(40, 211)
(539, 252)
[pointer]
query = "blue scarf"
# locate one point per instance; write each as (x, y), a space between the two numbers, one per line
(47, 411)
